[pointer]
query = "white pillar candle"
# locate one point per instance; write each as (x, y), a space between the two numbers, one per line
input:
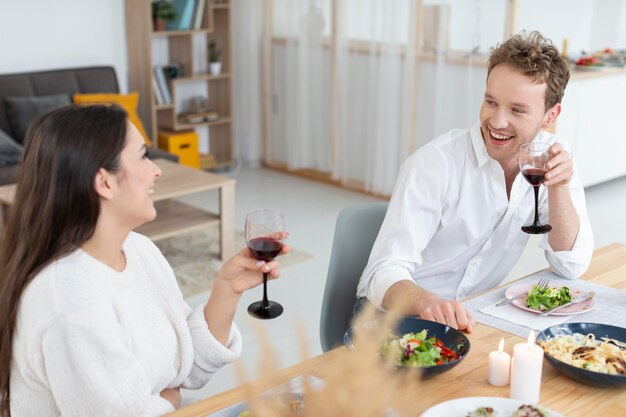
(499, 366)
(526, 371)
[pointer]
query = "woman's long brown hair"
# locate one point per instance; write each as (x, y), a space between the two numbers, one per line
(56, 208)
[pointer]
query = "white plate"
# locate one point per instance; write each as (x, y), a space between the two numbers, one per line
(524, 287)
(462, 406)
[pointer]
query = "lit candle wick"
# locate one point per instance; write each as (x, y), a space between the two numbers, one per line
(501, 345)
(531, 338)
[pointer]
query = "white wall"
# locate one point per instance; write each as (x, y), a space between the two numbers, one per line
(49, 34)
(558, 19)
(588, 24)
(607, 17)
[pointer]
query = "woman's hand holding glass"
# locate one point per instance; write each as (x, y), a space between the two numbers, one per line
(238, 274)
(265, 235)
(242, 271)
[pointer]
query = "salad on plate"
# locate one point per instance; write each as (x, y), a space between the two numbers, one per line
(545, 298)
(418, 350)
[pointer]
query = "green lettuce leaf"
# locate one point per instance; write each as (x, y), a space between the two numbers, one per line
(547, 298)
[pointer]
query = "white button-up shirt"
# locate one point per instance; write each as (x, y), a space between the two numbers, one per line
(451, 229)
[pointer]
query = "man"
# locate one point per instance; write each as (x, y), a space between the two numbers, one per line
(453, 226)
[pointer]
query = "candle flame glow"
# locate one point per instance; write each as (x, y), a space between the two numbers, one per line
(531, 338)
(501, 345)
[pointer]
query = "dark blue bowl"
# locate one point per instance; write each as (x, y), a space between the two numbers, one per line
(583, 375)
(450, 337)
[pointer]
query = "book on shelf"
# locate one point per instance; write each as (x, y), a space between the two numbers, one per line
(163, 86)
(186, 21)
(157, 91)
(198, 14)
(184, 11)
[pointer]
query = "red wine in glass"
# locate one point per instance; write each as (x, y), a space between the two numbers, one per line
(264, 236)
(265, 248)
(532, 161)
(534, 176)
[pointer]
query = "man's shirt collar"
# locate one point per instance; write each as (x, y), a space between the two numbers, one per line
(482, 157)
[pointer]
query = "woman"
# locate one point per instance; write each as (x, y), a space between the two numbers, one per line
(93, 322)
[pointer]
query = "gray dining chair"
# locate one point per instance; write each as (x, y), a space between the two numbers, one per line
(355, 232)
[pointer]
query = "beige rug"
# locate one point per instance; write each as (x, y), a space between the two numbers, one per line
(194, 258)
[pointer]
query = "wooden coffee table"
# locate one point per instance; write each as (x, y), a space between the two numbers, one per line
(175, 217)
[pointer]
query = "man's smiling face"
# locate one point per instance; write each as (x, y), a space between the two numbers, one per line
(512, 113)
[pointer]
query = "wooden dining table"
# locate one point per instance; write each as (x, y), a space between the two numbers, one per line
(469, 379)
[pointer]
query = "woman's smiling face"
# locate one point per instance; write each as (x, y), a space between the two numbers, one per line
(135, 181)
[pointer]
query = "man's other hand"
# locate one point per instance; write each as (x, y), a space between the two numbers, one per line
(448, 312)
(413, 300)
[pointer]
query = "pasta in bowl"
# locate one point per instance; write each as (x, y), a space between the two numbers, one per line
(591, 353)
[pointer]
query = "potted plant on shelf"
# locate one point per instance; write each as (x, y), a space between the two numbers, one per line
(215, 66)
(162, 11)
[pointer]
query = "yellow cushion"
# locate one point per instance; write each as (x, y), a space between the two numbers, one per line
(126, 101)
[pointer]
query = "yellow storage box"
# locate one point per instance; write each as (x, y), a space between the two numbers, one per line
(183, 144)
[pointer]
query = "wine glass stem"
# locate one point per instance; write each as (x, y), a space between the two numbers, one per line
(266, 303)
(536, 190)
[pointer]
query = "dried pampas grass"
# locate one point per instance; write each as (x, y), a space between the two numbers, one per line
(359, 384)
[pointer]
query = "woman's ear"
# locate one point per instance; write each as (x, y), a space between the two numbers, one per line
(103, 184)
(553, 113)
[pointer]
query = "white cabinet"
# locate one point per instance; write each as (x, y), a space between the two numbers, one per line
(593, 121)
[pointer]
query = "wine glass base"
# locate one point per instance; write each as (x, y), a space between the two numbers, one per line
(259, 311)
(537, 230)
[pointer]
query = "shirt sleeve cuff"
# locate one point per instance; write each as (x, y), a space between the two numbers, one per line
(382, 280)
(573, 263)
(209, 353)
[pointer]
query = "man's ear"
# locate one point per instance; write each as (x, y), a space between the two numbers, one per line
(553, 113)
(103, 184)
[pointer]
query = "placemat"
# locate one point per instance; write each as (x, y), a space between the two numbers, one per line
(610, 308)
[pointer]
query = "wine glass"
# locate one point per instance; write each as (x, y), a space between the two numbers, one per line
(264, 236)
(532, 164)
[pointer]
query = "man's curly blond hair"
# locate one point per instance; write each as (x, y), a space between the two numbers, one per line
(534, 56)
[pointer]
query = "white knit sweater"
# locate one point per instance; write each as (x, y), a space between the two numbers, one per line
(91, 341)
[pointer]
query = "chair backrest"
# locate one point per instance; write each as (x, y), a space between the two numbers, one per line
(355, 233)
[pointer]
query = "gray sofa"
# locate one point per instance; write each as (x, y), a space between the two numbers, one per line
(47, 83)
